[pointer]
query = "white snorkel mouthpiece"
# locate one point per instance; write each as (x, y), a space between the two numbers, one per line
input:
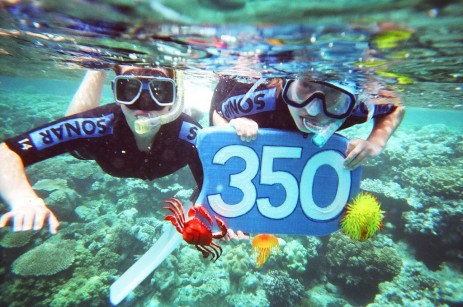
(144, 124)
(322, 134)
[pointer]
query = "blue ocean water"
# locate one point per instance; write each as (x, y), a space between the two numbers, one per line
(108, 223)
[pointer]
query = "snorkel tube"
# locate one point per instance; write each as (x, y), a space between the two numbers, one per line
(322, 134)
(145, 124)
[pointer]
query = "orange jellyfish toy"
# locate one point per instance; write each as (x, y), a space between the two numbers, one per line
(264, 245)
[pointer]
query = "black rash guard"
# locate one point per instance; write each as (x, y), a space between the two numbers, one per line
(266, 106)
(102, 134)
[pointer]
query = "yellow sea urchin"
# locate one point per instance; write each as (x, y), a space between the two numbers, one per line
(362, 218)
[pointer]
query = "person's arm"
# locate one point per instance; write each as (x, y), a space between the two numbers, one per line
(358, 151)
(88, 94)
(245, 128)
(27, 209)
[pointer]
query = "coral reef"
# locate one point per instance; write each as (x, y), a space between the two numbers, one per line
(236, 260)
(208, 287)
(282, 290)
(414, 260)
(295, 257)
(247, 299)
(415, 286)
(46, 259)
(354, 265)
(10, 239)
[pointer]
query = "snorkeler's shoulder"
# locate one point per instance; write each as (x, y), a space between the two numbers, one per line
(185, 118)
(103, 110)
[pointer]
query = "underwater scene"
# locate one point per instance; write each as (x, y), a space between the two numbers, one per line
(411, 254)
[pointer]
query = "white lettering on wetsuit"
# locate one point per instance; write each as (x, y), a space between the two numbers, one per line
(71, 129)
(189, 132)
(259, 101)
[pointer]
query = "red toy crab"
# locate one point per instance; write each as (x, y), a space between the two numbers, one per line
(194, 231)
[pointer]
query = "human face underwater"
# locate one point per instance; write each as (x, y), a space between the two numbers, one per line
(318, 107)
(145, 95)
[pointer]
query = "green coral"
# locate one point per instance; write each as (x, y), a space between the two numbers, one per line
(236, 261)
(295, 257)
(46, 259)
(11, 239)
(353, 264)
(282, 290)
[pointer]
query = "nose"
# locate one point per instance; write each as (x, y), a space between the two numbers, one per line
(144, 101)
(315, 107)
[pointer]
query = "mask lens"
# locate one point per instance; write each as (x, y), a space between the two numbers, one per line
(337, 103)
(127, 90)
(162, 91)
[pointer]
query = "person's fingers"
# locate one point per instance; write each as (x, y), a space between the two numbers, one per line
(241, 235)
(18, 222)
(28, 221)
(39, 220)
(350, 158)
(5, 219)
(354, 163)
(53, 223)
(354, 148)
(231, 235)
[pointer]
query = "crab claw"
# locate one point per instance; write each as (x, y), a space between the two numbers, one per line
(202, 211)
(223, 229)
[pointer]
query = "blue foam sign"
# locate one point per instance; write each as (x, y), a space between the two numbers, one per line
(280, 183)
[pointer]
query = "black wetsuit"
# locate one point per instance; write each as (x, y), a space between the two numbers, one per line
(102, 134)
(266, 106)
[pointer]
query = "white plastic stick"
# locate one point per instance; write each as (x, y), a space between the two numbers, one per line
(163, 247)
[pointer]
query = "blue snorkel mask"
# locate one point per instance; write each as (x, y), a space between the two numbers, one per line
(336, 99)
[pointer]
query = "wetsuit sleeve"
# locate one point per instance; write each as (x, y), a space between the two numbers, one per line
(360, 114)
(197, 169)
(220, 94)
(61, 136)
(188, 134)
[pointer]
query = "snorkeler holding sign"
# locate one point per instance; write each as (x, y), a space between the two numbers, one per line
(317, 109)
(279, 183)
(307, 106)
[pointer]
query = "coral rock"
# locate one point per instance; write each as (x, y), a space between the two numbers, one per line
(46, 259)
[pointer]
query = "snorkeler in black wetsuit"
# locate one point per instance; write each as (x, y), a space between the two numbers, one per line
(103, 135)
(306, 105)
(145, 135)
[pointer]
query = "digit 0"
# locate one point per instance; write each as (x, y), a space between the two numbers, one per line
(310, 208)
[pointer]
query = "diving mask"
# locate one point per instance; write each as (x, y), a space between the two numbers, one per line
(335, 101)
(128, 89)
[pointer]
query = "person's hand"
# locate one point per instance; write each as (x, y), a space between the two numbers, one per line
(238, 236)
(245, 128)
(359, 151)
(30, 214)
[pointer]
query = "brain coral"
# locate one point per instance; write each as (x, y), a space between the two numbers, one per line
(237, 261)
(46, 259)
